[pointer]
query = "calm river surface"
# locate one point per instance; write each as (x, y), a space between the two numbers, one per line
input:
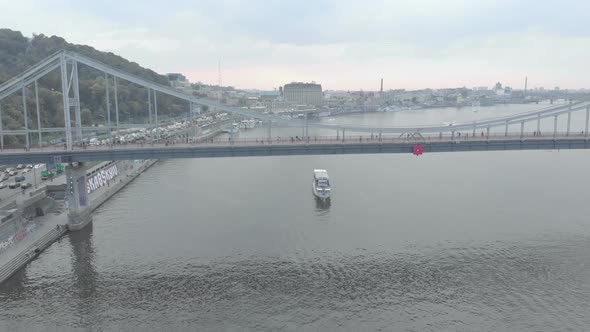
(479, 241)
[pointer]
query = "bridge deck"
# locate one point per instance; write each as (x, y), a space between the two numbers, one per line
(286, 147)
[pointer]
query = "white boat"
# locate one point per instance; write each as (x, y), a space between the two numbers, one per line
(321, 184)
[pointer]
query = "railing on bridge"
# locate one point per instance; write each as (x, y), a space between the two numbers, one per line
(311, 140)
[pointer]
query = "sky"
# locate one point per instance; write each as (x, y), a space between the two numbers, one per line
(342, 44)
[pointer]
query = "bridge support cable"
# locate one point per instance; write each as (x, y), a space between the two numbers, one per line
(106, 79)
(538, 124)
(1, 130)
(24, 78)
(521, 129)
(555, 127)
(307, 127)
(25, 116)
(38, 114)
(149, 105)
(569, 121)
(10, 90)
(116, 103)
(66, 102)
(587, 118)
(488, 133)
(156, 115)
(77, 115)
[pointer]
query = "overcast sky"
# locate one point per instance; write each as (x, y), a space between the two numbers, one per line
(342, 44)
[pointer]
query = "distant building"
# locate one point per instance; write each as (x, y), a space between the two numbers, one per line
(498, 89)
(177, 80)
(269, 95)
(175, 77)
(303, 93)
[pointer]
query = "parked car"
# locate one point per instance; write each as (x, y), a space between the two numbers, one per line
(8, 170)
(19, 166)
(13, 185)
(25, 185)
(30, 166)
(19, 178)
(3, 185)
(26, 170)
(13, 173)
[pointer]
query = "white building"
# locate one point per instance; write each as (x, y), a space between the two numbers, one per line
(303, 93)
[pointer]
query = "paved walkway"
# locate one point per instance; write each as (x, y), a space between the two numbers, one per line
(44, 225)
(466, 136)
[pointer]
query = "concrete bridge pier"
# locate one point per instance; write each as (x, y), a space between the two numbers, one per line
(77, 197)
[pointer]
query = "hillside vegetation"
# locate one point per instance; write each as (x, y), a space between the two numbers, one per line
(19, 53)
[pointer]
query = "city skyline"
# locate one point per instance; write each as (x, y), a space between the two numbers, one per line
(342, 45)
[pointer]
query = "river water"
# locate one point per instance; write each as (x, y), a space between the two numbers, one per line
(482, 241)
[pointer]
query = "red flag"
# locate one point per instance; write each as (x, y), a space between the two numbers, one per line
(418, 150)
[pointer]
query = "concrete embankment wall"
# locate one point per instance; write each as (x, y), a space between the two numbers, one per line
(117, 185)
(31, 252)
(98, 201)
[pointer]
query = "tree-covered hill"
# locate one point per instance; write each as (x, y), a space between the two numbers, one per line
(19, 53)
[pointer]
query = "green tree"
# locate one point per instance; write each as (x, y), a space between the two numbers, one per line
(86, 117)
(18, 53)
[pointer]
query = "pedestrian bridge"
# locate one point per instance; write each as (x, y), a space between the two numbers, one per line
(429, 138)
(310, 146)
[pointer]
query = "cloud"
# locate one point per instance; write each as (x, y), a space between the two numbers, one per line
(342, 44)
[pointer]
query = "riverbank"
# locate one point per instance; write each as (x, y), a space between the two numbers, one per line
(43, 231)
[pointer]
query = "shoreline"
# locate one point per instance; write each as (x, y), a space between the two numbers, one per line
(18, 257)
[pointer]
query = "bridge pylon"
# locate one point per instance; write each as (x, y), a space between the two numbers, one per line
(77, 196)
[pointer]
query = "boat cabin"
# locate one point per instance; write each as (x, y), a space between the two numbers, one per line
(320, 177)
